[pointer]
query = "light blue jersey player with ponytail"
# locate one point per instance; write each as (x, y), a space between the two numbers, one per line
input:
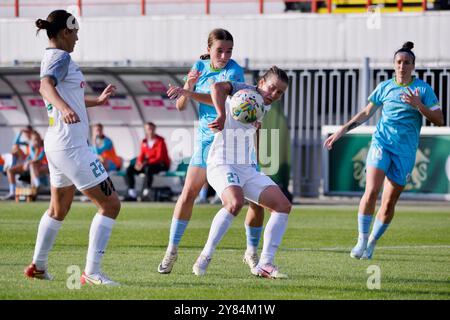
(404, 101)
(207, 113)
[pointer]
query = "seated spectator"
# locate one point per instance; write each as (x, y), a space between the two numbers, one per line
(153, 158)
(104, 148)
(20, 149)
(35, 164)
(19, 152)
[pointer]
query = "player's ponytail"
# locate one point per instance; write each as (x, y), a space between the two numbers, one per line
(42, 24)
(407, 48)
(408, 45)
(56, 21)
(214, 35)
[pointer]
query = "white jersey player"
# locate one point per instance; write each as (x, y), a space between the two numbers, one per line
(232, 172)
(72, 164)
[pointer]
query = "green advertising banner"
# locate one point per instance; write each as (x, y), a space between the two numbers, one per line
(431, 174)
(275, 119)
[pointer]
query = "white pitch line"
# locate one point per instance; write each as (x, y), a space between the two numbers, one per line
(340, 248)
(378, 248)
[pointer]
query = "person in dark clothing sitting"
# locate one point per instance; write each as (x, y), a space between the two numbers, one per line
(153, 158)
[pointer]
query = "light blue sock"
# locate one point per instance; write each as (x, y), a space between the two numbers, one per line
(364, 222)
(378, 229)
(203, 193)
(253, 236)
(176, 231)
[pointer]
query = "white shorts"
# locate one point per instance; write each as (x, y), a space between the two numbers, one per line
(252, 182)
(77, 166)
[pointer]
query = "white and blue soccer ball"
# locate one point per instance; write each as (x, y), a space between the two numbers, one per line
(247, 106)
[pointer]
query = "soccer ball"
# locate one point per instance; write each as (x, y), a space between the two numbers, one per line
(247, 106)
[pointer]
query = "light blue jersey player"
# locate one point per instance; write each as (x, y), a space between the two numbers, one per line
(216, 66)
(396, 138)
(404, 101)
(207, 113)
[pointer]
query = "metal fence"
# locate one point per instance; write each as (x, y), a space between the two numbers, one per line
(316, 97)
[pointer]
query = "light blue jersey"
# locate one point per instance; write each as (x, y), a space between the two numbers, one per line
(207, 113)
(396, 138)
(399, 127)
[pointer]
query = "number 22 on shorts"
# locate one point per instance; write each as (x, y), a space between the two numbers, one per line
(97, 168)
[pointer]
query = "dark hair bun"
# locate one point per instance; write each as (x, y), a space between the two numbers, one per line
(408, 45)
(42, 24)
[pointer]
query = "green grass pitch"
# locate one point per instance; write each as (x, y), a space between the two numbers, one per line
(413, 257)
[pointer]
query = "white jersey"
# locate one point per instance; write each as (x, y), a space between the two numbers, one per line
(235, 144)
(69, 83)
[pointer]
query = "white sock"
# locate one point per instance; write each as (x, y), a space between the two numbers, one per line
(47, 231)
(172, 249)
(132, 193)
(99, 234)
(251, 250)
(273, 233)
(219, 226)
(36, 182)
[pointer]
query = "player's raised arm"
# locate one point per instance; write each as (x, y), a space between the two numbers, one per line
(219, 94)
(188, 91)
(182, 94)
(361, 117)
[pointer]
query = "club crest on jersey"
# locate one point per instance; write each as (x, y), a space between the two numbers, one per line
(82, 84)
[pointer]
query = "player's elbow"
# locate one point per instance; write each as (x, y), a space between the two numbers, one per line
(221, 87)
(215, 87)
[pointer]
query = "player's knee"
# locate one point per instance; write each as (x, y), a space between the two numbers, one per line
(188, 196)
(112, 207)
(284, 206)
(389, 204)
(58, 213)
(371, 195)
(234, 206)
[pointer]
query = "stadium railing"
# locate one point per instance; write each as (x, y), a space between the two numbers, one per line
(144, 7)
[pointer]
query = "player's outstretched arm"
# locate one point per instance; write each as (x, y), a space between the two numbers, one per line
(49, 93)
(181, 94)
(364, 115)
(102, 99)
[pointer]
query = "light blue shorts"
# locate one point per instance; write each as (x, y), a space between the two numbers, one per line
(201, 149)
(397, 168)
